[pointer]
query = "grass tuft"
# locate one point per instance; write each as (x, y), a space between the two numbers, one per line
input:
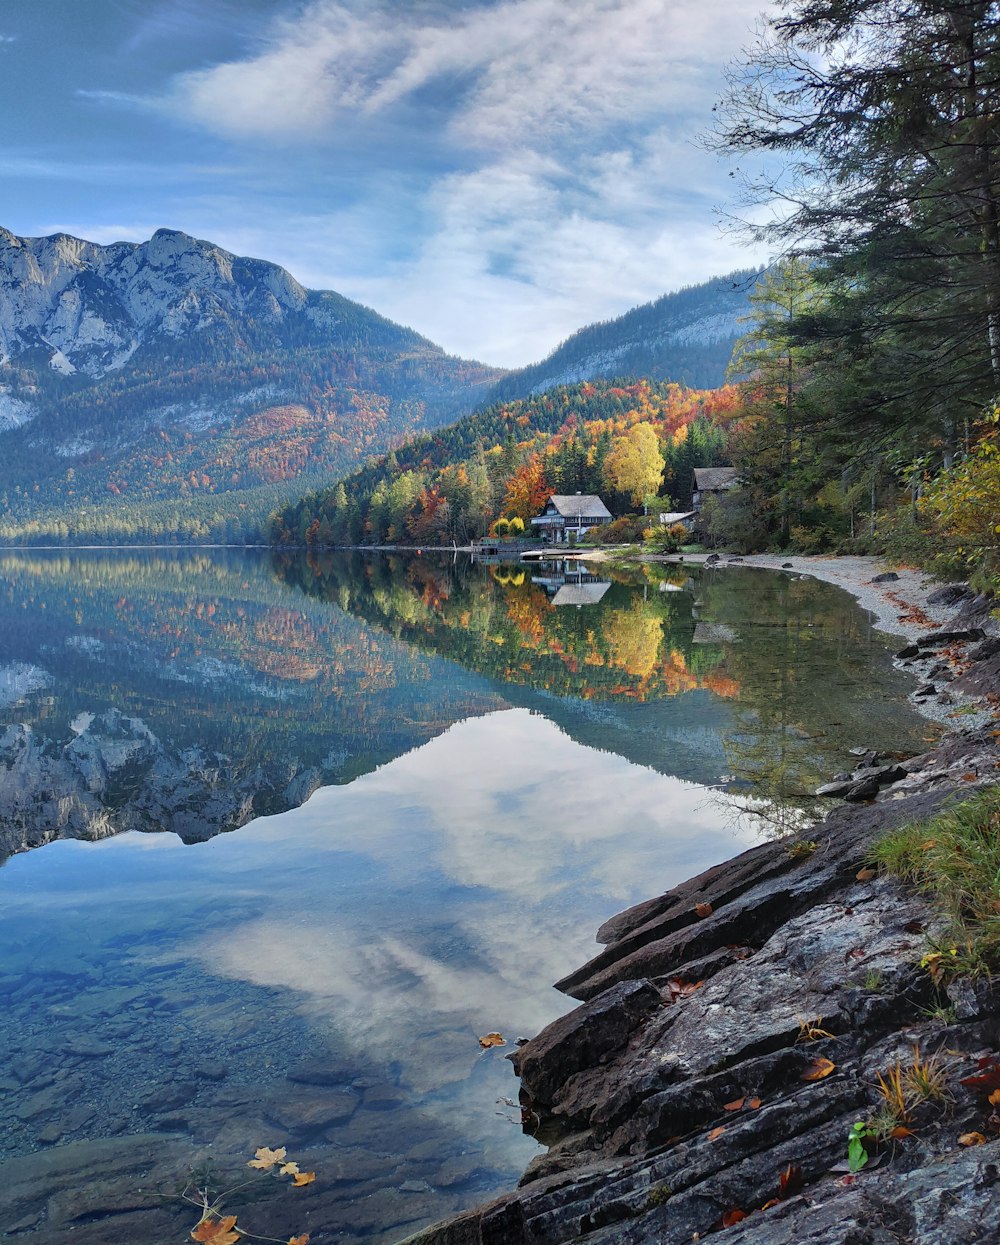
(955, 860)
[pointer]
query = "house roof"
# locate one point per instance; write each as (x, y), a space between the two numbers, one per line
(579, 505)
(581, 594)
(709, 479)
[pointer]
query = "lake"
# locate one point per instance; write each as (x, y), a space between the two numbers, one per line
(284, 836)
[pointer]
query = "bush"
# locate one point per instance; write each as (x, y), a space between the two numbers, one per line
(670, 539)
(501, 527)
(627, 530)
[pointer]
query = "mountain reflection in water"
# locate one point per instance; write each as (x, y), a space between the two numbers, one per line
(492, 773)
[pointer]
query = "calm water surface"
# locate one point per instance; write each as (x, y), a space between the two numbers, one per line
(441, 779)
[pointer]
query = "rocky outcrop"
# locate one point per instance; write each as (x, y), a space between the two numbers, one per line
(734, 1029)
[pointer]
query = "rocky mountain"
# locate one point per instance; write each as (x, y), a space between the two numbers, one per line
(172, 370)
(686, 336)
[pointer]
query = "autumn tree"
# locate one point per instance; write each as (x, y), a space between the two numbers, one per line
(634, 465)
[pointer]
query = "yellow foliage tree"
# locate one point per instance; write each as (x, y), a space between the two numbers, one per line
(635, 463)
(964, 505)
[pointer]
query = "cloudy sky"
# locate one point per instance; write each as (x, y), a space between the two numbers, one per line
(494, 173)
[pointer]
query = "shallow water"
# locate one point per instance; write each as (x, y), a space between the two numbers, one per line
(442, 778)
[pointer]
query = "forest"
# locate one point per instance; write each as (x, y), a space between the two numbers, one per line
(863, 413)
(628, 441)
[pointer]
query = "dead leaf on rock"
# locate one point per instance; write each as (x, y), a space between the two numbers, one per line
(216, 1231)
(899, 1132)
(972, 1139)
(299, 1240)
(677, 988)
(703, 910)
(864, 875)
(994, 1098)
(303, 1178)
(492, 1039)
(733, 1216)
(716, 1133)
(986, 1078)
(735, 1105)
(289, 1169)
(753, 1104)
(818, 1069)
(774, 1201)
(265, 1158)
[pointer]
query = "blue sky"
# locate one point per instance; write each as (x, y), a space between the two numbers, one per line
(494, 173)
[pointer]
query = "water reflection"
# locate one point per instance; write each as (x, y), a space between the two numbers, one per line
(494, 768)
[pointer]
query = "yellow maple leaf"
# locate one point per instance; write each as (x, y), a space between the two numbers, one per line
(301, 1178)
(491, 1039)
(216, 1231)
(266, 1158)
(290, 1169)
(299, 1240)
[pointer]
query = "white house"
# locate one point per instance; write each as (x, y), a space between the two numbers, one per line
(566, 519)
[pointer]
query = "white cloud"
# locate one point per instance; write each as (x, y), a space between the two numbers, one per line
(552, 174)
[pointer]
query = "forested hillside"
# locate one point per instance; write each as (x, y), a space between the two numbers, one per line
(172, 388)
(687, 337)
(622, 440)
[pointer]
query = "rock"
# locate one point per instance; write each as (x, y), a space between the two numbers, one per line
(787, 566)
(834, 790)
(87, 1047)
(211, 1071)
(887, 577)
(934, 638)
(865, 789)
(990, 647)
(167, 1097)
(928, 689)
(950, 594)
(313, 1112)
(584, 1037)
(910, 650)
(712, 558)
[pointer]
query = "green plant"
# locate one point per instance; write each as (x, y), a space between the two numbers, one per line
(801, 849)
(954, 858)
(873, 979)
(857, 1152)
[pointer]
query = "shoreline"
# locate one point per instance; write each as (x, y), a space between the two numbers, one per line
(682, 1093)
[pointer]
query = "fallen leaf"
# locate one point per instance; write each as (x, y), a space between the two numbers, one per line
(969, 777)
(855, 954)
(299, 1240)
(733, 1216)
(216, 1231)
(753, 1104)
(289, 1169)
(818, 1069)
(677, 988)
(994, 1098)
(864, 875)
(703, 909)
(775, 1201)
(972, 1139)
(492, 1039)
(790, 1181)
(986, 1079)
(265, 1158)
(735, 1105)
(716, 1133)
(928, 845)
(302, 1178)
(899, 1132)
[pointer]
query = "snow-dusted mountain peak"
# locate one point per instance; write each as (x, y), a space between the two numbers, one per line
(91, 307)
